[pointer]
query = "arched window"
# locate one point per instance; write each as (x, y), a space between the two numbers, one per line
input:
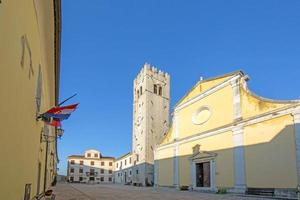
(160, 91)
(155, 89)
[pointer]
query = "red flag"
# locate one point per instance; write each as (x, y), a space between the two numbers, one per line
(63, 110)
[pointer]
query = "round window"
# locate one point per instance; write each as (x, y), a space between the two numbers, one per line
(201, 115)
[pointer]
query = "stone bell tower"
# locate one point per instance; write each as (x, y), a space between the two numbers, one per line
(151, 109)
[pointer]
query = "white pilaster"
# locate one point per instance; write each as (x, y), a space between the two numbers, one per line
(193, 170)
(239, 160)
(176, 126)
(296, 115)
(235, 84)
(176, 167)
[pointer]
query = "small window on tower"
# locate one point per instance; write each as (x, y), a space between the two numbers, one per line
(155, 89)
(141, 90)
(138, 93)
(160, 91)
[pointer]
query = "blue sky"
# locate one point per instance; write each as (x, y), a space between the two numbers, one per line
(105, 43)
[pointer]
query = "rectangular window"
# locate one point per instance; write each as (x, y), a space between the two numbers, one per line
(72, 162)
(141, 90)
(155, 89)
(81, 162)
(109, 179)
(102, 163)
(130, 172)
(130, 160)
(110, 171)
(102, 171)
(110, 163)
(71, 178)
(88, 155)
(137, 158)
(80, 170)
(96, 155)
(92, 162)
(80, 178)
(160, 91)
(137, 171)
(72, 170)
(102, 179)
(117, 165)
(125, 163)
(92, 170)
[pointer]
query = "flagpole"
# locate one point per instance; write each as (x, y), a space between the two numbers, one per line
(67, 99)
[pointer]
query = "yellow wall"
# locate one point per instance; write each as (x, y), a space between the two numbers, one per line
(20, 145)
(165, 167)
(220, 144)
(270, 154)
(253, 106)
(202, 87)
(222, 113)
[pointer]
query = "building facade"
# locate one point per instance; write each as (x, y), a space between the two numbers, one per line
(223, 136)
(91, 167)
(29, 81)
(123, 169)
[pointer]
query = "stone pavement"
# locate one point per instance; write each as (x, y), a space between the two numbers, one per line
(65, 191)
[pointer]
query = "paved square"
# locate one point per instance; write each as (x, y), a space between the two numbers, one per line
(66, 191)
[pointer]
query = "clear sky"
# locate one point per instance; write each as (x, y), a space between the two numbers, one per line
(105, 43)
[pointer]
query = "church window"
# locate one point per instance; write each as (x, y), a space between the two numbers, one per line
(160, 91)
(155, 89)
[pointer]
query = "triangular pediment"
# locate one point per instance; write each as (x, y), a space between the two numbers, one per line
(203, 155)
(205, 85)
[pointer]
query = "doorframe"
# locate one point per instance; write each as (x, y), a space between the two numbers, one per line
(212, 174)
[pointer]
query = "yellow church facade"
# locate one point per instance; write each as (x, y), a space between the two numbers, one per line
(224, 137)
(29, 82)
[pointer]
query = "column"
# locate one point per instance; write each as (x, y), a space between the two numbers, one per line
(176, 167)
(176, 127)
(296, 115)
(239, 160)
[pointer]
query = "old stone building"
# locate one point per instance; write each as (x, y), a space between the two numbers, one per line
(29, 81)
(92, 167)
(151, 99)
(223, 136)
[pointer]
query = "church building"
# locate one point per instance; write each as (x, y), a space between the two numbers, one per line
(225, 137)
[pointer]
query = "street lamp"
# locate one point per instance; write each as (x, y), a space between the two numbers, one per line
(59, 132)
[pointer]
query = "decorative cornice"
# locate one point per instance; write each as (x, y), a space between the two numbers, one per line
(235, 125)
